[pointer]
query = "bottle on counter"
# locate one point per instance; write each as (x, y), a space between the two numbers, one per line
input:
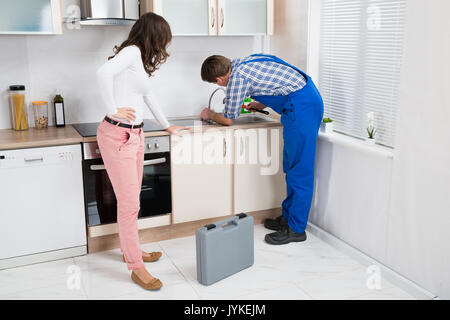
(18, 107)
(58, 105)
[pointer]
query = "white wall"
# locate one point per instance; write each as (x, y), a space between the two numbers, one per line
(43, 63)
(351, 192)
(409, 212)
(290, 39)
(419, 224)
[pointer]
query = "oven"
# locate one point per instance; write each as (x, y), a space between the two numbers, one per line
(155, 197)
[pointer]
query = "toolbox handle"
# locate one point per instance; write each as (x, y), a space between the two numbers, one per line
(232, 220)
(228, 222)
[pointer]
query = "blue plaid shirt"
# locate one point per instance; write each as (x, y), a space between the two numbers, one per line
(259, 79)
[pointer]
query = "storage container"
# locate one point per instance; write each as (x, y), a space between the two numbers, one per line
(18, 106)
(40, 111)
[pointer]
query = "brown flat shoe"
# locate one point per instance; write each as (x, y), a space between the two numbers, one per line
(154, 284)
(152, 257)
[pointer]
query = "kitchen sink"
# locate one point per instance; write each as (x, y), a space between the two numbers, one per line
(249, 119)
(243, 119)
(189, 122)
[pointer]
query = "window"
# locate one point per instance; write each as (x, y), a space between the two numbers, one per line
(360, 56)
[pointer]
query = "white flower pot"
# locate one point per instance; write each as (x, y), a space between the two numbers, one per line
(370, 141)
(326, 127)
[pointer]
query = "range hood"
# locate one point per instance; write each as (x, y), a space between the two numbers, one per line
(109, 12)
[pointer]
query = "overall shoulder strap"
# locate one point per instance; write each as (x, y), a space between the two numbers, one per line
(264, 55)
(256, 60)
(267, 57)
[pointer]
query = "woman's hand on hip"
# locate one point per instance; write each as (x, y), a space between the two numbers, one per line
(176, 129)
(125, 113)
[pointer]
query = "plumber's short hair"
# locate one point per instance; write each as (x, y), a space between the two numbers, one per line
(215, 66)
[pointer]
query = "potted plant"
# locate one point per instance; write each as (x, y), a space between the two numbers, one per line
(327, 125)
(370, 129)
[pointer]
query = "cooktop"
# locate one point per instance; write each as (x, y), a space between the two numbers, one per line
(90, 129)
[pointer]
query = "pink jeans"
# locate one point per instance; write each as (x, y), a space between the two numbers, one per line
(122, 151)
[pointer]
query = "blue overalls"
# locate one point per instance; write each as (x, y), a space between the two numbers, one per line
(301, 115)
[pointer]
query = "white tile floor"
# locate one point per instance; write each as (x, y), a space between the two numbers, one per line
(308, 270)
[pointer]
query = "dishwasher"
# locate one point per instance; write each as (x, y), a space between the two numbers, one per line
(41, 205)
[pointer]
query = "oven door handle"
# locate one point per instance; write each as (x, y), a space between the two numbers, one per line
(154, 161)
(98, 167)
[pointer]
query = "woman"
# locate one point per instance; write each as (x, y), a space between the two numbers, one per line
(123, 81)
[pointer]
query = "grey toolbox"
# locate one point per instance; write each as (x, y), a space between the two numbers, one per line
(224, 248)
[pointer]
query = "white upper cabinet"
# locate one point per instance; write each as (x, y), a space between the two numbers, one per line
(30, 17)
(214, 17)
(185, 17)
(244, 17)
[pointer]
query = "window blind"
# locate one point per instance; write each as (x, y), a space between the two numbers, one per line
(361, 45)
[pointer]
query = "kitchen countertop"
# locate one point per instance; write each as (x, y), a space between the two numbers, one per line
(146, 134)
(52, 136)
(33, 138)
(275, 123)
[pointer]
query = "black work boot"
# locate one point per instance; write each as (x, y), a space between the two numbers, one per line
(285, 235)
(274, 224)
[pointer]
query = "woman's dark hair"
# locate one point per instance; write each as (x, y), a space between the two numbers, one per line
(151, 34)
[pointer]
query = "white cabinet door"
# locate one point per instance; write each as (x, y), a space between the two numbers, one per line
(245, 17)
(214, 17)
(201, 176)
(258, 172)
(31, 17)
(193, 17)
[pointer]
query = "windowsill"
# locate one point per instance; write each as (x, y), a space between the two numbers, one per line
(342, 139)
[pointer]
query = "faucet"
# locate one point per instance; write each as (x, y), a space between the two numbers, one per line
(212, 94)
(210, 99)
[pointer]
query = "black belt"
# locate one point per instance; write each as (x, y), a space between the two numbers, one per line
(124, 125)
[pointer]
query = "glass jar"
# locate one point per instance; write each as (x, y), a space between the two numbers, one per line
(18, 106)
(40, 111)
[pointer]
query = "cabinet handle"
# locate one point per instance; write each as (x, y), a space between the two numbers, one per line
(223, 17)
(224, 147)
(242, 146)
(213, 18)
